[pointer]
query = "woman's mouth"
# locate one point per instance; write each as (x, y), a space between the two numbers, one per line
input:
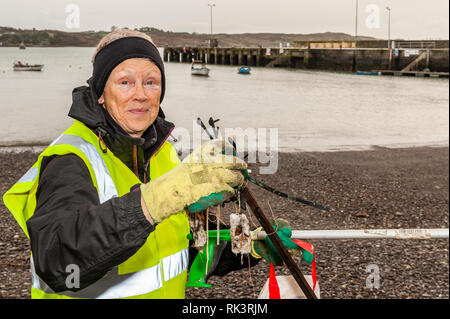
(138, 111)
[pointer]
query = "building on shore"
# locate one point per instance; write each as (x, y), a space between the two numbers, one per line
(373, 44)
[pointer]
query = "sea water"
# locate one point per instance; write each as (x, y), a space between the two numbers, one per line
(310, 110)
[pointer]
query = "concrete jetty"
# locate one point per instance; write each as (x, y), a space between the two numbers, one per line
(318, 58)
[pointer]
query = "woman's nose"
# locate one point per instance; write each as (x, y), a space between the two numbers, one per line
(139, 93)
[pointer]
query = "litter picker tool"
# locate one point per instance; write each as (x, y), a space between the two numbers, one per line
(258, 183)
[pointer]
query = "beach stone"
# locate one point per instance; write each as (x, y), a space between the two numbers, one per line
(380, 183)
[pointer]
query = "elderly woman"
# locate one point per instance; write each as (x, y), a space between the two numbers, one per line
(105, 204)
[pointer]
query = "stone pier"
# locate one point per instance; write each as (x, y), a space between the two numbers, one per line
(332, 59)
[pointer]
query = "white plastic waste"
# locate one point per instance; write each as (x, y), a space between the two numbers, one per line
(289, 289)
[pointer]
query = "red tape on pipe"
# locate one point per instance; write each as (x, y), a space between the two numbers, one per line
(309, 248)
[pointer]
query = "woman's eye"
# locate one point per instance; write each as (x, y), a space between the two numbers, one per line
(124, 82)
(149, 82)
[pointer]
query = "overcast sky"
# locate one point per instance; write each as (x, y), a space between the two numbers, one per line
(411, 19)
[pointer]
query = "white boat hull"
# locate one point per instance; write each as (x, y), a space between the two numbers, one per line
(28, 68)
(202, 71)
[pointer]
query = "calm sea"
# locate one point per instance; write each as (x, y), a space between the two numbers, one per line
(312, 110)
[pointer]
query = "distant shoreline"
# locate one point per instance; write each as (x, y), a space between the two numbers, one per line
(13, 37)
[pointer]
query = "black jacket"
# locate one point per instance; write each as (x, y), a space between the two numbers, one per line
(70, 226)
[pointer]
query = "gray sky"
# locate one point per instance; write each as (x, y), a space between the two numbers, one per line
(411, 19)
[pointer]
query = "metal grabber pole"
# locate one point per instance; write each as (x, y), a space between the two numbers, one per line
(279, 246)
(365, 234)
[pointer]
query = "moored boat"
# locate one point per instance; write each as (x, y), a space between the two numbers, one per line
(367, 73)
(244, 70)
(199, 68)
(19, 66)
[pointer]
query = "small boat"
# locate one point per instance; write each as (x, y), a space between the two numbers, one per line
(19, 66)
(244, 70)
(367, 73)
(199, 68)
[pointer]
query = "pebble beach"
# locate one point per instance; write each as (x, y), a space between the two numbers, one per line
(378, 188)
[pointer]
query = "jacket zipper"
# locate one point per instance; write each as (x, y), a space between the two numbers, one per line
(135, 162)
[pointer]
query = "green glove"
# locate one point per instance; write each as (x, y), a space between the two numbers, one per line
(208, 201)
(208, 174)
(265, 248)
(216, 198)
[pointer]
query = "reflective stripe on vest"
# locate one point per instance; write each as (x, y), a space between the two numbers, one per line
(105, 185)
(113, 285)
(29, 176)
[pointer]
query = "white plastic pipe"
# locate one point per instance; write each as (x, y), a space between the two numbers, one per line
(365, 234)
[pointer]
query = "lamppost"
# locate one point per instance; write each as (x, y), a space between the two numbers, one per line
(356, 25)
(389, 27)
(211, 5)
(389, 37)
(356, 38)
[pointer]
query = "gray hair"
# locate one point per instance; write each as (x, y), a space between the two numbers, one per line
(119, 34)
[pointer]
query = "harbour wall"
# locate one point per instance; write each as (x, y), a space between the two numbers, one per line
(351, 60)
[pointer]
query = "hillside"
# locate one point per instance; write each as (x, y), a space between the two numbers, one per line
(13, 37)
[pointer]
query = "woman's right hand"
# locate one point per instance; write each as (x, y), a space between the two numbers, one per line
(204, 178)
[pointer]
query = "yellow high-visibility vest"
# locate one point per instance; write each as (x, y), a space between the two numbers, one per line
(159, 268)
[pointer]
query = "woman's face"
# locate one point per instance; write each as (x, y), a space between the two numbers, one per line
(131, 95)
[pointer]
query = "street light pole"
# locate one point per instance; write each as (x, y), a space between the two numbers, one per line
(354, 67)
(356, 25)
(389, 27)
(211, 5)
(389, 38)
